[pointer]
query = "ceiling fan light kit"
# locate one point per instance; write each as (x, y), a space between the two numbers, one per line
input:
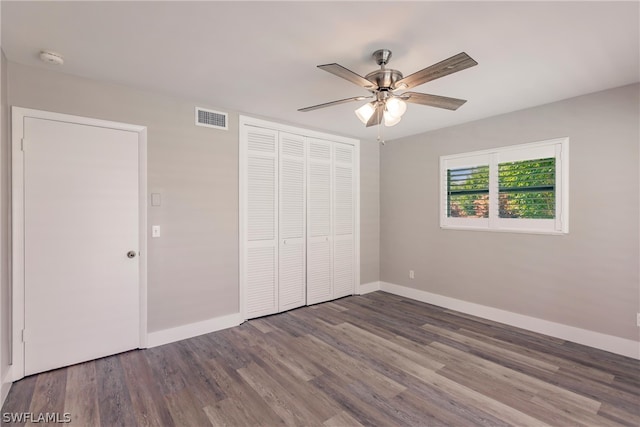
(391, 120)
(394, 108)
(365, 112)
(385, 86)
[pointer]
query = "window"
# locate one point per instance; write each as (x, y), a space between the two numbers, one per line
(522, 188)
(526, 188)
(468, 189)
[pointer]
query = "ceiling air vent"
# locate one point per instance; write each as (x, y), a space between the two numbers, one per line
(211, 119)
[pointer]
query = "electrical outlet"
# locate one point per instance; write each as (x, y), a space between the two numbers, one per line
(411, 274)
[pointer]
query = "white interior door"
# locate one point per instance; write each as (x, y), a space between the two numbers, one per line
(292, 219)
(319, 222)
(81, 219)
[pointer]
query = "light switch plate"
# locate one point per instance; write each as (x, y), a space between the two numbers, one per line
(155, 231)
(156, 199)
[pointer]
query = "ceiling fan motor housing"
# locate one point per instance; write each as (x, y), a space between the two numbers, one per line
(384, 78)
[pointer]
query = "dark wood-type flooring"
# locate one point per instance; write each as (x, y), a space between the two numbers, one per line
(373, 360)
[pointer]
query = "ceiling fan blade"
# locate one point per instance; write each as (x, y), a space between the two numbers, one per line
(454, 64)
(377, 115)
(332, 103)
(433, 100)
(347, 74)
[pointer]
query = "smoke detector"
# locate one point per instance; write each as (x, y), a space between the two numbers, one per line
(52, 58)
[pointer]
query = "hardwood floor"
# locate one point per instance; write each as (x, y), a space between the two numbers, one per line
(373, 360)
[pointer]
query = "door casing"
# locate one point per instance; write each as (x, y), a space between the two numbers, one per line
(17, 222)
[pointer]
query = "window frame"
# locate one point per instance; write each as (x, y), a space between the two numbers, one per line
(557, 148)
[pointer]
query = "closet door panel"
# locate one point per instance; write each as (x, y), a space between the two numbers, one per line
(319, 222)
(262, 198)
(343, 273)
(261, 255)
(291, 290)
(319, 272)
(261, 281)
(344, 220)
(292, 222)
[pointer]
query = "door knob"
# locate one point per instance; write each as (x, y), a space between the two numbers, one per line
(131, 254)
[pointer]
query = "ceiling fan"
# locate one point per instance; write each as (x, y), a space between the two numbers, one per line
(385, 85)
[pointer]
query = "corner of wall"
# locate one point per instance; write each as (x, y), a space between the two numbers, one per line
(366, 288)
(5, 386)
(5, 308)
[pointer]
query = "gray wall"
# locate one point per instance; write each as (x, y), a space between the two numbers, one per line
(193, 267)
(5, 302)
(369, 211)
(587, 279)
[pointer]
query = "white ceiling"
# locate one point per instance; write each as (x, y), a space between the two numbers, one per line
(260, 57)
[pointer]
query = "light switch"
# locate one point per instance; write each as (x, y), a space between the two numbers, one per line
(155, 231)
(156, 199)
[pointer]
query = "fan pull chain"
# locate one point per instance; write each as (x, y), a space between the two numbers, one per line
(380, 132)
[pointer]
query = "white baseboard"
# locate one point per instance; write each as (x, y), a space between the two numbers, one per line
(365, 288)
(5, 386)
(179, 333)
(623, 346)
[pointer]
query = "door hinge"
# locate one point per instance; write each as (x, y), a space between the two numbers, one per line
(24, 335)
(22, 144)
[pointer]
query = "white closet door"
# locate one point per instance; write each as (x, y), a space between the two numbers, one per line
(261, 257)
(292, 215)
(344, 217)
(319, 223)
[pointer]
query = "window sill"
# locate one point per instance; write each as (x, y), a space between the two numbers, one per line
(503, 230)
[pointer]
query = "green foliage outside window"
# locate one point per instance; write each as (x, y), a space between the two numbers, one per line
(526, 190)
(468, 192)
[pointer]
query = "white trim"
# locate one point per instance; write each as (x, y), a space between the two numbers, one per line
(242, 221)
(366, 288)
(356, 223)
(5, 387)
(191, 330)
(251, 121)
(142, 233)
(18, 115)
(613, 344)
(507, 148)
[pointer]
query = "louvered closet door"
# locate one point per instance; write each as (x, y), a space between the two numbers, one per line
(344, 221)
(261, 262)
(319, 223)
(292, 215)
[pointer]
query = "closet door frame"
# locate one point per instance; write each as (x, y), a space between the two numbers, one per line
(250, 121)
